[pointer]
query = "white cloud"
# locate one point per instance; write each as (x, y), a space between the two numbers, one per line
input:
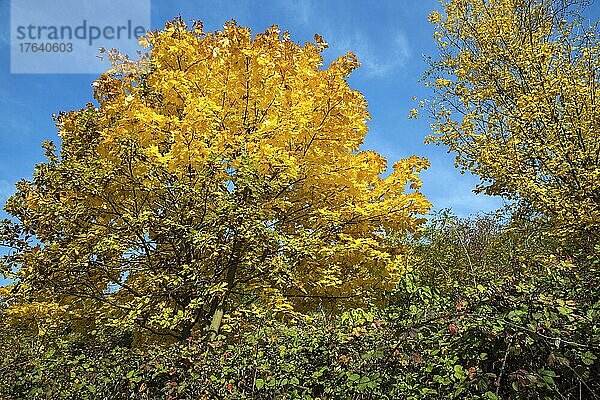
(467, 204)
(380, 54)
(446, 187)
(301, 10)
(7, 189)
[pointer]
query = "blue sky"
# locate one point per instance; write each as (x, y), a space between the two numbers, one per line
(389, 37)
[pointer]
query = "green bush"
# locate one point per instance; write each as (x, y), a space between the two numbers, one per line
(521, 338)
(516, 326)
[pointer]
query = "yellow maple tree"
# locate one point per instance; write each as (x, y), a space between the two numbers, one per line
(221, 172)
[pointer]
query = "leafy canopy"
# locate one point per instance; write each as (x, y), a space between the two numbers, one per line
(516, 98)
(221, 172)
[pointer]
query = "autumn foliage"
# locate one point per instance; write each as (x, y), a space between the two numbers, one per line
(214, 228)
(220, 172)
(516, 99)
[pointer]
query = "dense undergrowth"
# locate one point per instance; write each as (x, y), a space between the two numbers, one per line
(478, 315)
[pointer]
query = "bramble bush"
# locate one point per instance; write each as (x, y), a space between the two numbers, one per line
(521, 335)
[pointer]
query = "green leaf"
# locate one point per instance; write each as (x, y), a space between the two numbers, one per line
(588, 358)
(490, 396)
(259, 383)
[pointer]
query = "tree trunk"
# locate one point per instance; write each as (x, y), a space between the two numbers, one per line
(218, 306)
(215, 323)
